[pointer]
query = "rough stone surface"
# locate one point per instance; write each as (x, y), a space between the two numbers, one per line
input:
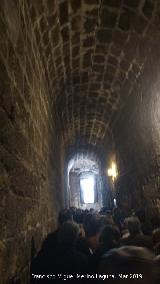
(137, 135)
(82, 46)
(76, 76)
(30, 150)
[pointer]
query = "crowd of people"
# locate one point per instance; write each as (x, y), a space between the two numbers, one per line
(96, 246)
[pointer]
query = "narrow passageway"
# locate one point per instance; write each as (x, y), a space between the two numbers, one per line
(79, 125)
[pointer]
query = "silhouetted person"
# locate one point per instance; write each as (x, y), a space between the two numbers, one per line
(67, 258)
(49, 246)
(129, 264)
(106, 220)
(146, 225)
(136, 237)
(92, 226)
(63, 259)
(157, 269)
(88, 245)
(156, 241)
(109, 239)
(118, 218)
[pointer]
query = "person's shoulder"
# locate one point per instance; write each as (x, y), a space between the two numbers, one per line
(144, 238)
(81, 254)
(50, 240)
(81, 243)
(126, 240)
(51, 236)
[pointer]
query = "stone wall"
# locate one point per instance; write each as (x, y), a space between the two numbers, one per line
(71, 66)
(74, 189)
(30, 148)
(137, 135)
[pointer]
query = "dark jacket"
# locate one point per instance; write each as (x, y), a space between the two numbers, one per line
(138, 240)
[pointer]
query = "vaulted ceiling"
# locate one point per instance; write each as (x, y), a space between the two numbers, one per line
(92, 52)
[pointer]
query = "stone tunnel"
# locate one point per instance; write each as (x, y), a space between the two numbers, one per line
(79, 90)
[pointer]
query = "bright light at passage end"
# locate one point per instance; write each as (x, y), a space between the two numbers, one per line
(87, 186)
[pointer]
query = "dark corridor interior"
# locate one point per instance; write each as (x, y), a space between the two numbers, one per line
(79, 93)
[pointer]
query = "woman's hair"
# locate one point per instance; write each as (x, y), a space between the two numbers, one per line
(68, 233)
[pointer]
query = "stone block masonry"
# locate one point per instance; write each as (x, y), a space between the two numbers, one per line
(137, 135)
(76, 76)
(30, 149)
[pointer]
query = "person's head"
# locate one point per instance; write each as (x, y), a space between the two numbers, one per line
(92, 227)
(110, 237)
(156, 236)
(136, 262)
(156, 241)
(133, 225)
(81, 232)
(78, 216)
(68, 233)
(91, 224)
(65, 215)
(105, 220)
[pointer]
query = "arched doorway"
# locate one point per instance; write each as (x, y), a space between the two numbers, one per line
(84, 183)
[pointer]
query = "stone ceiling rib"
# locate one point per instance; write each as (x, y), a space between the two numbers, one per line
(91, 50)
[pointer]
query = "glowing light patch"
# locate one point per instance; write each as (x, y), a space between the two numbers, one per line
(115, 202)
(87, 187)
(112, 172)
